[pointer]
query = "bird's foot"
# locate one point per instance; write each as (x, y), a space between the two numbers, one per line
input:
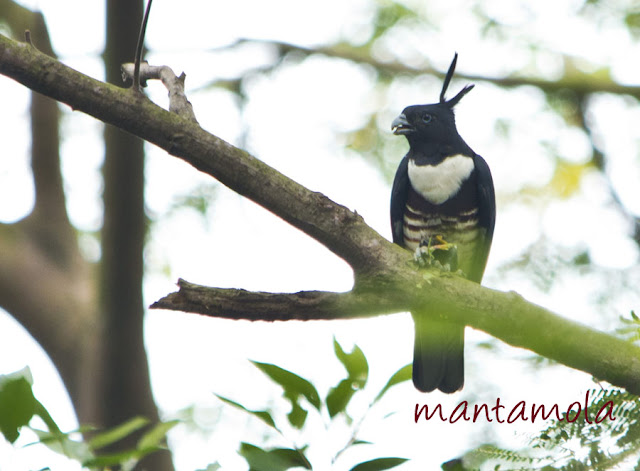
(438, 253)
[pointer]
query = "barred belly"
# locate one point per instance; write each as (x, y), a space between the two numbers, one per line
(461, 229)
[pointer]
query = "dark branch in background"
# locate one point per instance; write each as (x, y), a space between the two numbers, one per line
(48, 223)
(126, 385)
(582, 84)
(576, 81)
(334, 226)
(42, 273)
(599, 160)
(386, 281)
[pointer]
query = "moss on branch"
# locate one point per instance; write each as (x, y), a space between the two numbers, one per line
(385, 281)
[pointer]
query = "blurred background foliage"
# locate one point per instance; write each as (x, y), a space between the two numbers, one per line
(312, 89)
(558, 119)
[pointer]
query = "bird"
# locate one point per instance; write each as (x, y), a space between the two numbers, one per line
(442, 196)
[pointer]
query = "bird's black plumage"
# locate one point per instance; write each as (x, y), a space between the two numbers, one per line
(441, 188)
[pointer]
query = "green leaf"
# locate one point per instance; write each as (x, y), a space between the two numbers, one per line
(292, 384)
(24, 373)
(379, 464)
(117, 433)
(43, 413)
(354, 362)
(126, 459)
(263, 415)
(294, 387)
(632, 20)
(277, 459)
(339, 397)
(400, 376)
(212, 467)
(17, 403)
(357, 372)
(361, 442)
(61, 443)
(297, 416)
(388, 14)
(156, 435)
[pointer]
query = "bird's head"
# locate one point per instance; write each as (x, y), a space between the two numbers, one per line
(431, 124)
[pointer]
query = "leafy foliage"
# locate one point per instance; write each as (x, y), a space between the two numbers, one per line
(331, 408)
(379, 464)
(275, 459)
(263, 415)
(357, 372)
(631, 328)
(584, 443)
(18, 406)
(603, 436)
(295, 388)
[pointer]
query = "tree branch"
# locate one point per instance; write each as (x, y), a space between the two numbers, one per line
(178, 102)
(573, 79)
(42, 273)
(506, 316)
(48, 223)
(598, 158)
(386, 281)
(260, 306)
(341, 230)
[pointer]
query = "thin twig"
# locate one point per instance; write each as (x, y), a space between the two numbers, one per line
(178, 102)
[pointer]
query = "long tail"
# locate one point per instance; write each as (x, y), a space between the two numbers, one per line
(438, 355)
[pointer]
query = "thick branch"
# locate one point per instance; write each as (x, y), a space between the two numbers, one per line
(54, 304)
(261, 306)
(336, 227)
(506, 316)
(385, 282)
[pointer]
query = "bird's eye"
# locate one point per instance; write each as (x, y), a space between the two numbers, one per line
(426, 118)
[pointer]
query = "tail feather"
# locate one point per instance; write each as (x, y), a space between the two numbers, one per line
(438, 355)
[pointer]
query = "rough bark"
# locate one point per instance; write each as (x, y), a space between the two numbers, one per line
(506, 316)
(386, 281)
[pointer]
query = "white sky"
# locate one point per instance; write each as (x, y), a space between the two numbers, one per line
(191, 357)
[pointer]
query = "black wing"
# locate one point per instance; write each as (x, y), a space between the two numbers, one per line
(486, 216)
(399, 194)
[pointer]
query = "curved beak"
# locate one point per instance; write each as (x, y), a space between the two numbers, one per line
(400, 125)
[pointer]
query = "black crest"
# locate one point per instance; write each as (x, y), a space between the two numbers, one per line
(454, 101)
